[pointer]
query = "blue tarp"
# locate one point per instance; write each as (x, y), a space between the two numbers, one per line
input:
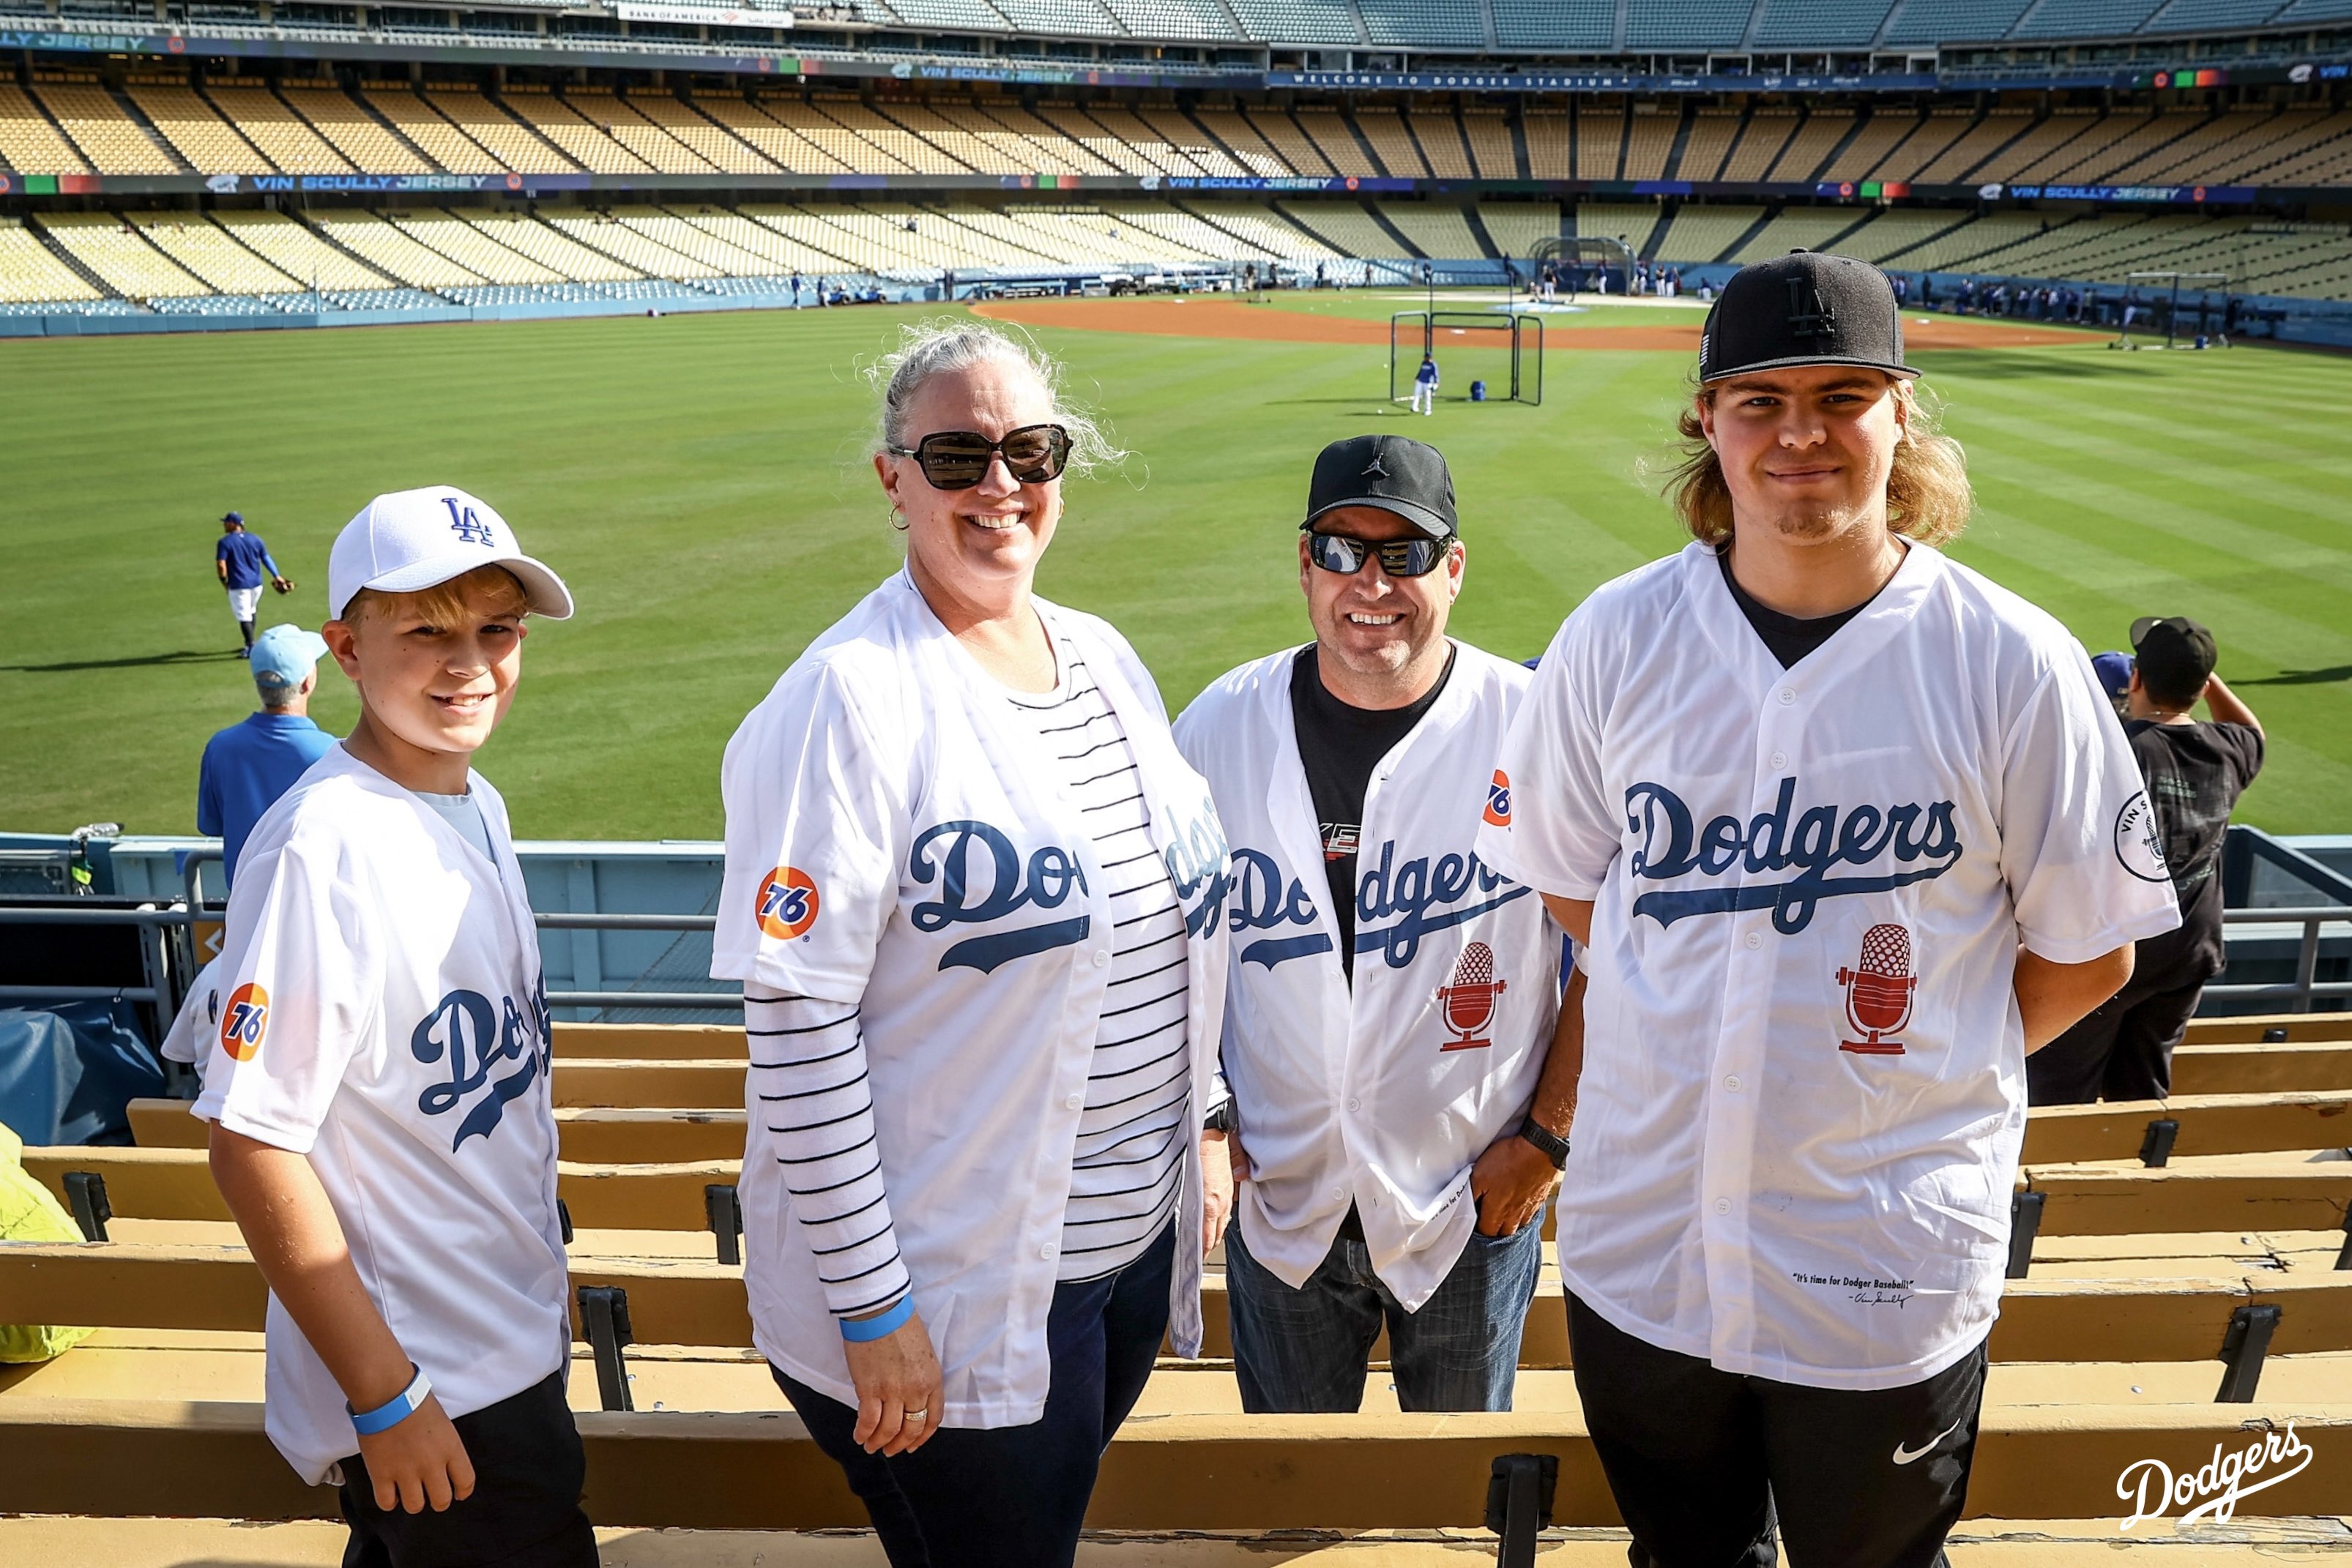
(68, 1071)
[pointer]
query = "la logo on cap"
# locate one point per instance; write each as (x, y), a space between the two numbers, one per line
(469, 526)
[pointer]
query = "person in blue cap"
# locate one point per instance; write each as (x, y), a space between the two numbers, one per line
(2114, 672)
(249, 765)
(241, 558)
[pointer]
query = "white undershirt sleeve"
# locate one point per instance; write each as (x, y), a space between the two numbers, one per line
(812, 1109)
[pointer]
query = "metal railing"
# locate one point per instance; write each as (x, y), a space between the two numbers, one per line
(165, 987)
(2300, 992)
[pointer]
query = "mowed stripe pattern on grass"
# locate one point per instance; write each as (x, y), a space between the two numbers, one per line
(702, 481)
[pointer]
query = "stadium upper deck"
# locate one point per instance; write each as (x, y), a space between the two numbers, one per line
(159, 124)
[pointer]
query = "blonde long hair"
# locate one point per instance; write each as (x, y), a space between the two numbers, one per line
(1928, 497)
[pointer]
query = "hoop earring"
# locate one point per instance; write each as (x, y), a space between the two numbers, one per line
(897, 519)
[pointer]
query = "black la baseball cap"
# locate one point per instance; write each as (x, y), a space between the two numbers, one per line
(1391, 472)
(1803, 309)
(2175, 656)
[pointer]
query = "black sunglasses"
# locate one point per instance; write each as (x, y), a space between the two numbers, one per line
(1399, 558)
(959, 459)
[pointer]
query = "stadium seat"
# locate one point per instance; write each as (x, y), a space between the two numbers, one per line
(29, 143)
(275, 130)
(363, 144)
(117, 253)
(30, 272)
(107, 136)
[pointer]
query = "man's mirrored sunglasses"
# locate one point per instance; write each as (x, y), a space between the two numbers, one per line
(959, 459)
(1399, 558)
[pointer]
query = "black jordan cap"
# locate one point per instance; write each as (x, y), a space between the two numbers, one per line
(1803, 309)
(1391, 472)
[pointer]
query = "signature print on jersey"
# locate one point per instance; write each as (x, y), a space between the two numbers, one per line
(246, 1022)
(473, 1038)
(787, 903)
(1673, 846)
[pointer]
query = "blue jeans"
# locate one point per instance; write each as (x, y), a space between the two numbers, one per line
(1014, 1497)
(1305, 1351)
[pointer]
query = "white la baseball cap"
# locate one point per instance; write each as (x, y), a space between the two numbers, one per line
(412, 539)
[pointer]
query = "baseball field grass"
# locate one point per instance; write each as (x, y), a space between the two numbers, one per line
(702, 482)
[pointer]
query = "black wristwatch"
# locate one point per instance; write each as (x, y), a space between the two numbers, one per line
(1220, 1120)
(1550, 1145)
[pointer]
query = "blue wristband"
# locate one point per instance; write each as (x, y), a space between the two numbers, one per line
(879, 1327)
(403, 1405)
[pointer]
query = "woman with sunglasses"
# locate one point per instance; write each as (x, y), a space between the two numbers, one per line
(975, 896)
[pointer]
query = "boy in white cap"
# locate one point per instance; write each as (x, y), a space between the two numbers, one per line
(377, 1075)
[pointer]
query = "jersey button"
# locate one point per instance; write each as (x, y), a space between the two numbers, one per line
(1075, 1100)
(1732, 1084)
(1755, 940)
(1355, 1104)
(1337, 1192)
(1102, 958)
(1779, 759)
(1046, 1252)
(1722, 1206)
(1786, 696)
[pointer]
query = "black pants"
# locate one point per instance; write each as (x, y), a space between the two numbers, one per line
(1701, 1460)
(2121, 1050)
(1014, 1497)
(529, 1471)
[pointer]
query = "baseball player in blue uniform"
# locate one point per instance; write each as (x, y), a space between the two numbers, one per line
(241, 558)
(1424, 386)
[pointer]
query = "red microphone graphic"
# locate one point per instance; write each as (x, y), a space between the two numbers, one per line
(1878, 991)
(1469, 999)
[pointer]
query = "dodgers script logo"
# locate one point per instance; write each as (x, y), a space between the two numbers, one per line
(469, 528)
(1199, 866)
(1821, 838)
(982, 879)
(465, 1032)
(787, 903)
(1413, 897)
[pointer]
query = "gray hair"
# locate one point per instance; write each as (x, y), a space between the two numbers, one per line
(929, 348)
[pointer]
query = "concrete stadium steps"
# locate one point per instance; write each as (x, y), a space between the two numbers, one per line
(1212, 1471)
(1977, 1543)
(2124, 1309)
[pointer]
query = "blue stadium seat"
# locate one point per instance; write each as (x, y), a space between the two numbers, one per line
(1202, 19)
(1431, 22)
(1060, 16)
(1954, 21)
(2082, 18)
(1799, 24)
(974, 15)
(1687, 23)
(1555, 23)
(2317, 10)
(1299, 21)
(2202, 16)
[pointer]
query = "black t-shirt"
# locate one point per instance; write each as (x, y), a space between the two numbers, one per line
(1340, 746)
(2195, 773)
(1789, 637)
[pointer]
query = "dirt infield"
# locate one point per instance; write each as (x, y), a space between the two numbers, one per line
(1199, 317)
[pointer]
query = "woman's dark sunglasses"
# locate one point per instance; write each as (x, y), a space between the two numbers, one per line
(959, 459)
(1399, 558)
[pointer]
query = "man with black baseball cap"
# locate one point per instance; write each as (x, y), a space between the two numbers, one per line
(1834, 820)
(2195, 773)
(1391, 1002)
